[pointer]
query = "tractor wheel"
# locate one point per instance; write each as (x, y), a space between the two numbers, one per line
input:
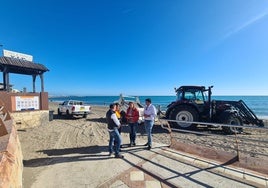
(184, 113)
(232, 119)
(59, 112)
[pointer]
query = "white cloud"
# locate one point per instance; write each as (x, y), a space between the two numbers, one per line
(246, 24)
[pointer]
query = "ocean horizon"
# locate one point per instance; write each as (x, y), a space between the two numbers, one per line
(258, 104)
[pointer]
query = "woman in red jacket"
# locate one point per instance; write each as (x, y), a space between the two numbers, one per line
(132, 117)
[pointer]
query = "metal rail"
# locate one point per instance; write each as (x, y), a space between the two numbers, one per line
(238, 143)
(217, 124)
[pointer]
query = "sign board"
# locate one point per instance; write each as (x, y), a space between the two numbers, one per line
(17, 55)
(27, 103)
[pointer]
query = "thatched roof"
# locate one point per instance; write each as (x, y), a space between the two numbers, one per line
(18, 66)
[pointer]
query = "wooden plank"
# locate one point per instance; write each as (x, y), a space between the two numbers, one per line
(3, 129)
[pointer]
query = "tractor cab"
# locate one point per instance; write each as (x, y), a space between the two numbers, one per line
(192, 104)
(196, 94)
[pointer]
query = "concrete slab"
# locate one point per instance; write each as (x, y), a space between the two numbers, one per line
(136, 176)
(118, 184)
(152, 184)
(236, 173)
(160, 165)
(183, 174)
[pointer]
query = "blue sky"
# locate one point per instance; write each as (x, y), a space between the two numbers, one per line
(148, 47)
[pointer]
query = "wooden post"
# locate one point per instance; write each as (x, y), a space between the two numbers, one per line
(5, 79)
(42, 82)
(34, 78)
(7, 82)
(237, 147)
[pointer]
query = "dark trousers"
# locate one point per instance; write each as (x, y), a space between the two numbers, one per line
(132, 132)
(148, 128)
(119, 132)
(114, 136)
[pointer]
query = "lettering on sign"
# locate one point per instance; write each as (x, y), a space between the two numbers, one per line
(27, 103)
(17, 55)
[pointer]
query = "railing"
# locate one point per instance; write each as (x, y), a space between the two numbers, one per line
(249, 149)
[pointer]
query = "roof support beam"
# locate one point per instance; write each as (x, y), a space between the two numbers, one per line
(6, 79)
(34, 78)
(42, 82)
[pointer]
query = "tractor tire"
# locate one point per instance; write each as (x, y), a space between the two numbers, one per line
(59, 112)
(232, 119)
(184, 113)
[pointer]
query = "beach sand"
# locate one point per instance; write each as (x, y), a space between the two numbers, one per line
(72, 136)
(65, 136)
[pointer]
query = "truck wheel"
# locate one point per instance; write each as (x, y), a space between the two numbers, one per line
(184, 113)
(68, 114)
(85, 116)
(232, 119)
(59, 112)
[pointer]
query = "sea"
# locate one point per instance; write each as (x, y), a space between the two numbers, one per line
(258, 104)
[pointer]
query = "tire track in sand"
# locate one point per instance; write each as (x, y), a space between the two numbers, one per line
(81, 133)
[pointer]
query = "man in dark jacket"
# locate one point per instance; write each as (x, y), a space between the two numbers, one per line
(113, 126)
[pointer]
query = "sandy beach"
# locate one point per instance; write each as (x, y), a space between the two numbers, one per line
(79, 135)
(67, 135)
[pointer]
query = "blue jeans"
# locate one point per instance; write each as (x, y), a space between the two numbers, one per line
(133, 131)
(114, 136)
(148, 128)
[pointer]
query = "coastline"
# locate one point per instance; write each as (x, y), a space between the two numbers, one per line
(53, 105)
(259, 105)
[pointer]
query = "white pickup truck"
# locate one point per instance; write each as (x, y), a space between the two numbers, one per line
(74, 107)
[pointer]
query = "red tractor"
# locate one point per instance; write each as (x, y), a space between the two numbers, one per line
(194, 104)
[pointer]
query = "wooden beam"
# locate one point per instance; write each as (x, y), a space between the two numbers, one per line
(42, 82)
(34, 78)
(5, 78)
(7, 82)
(3, 129)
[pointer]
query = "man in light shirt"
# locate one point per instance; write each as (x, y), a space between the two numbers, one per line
(149, 116)
(113, 126)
